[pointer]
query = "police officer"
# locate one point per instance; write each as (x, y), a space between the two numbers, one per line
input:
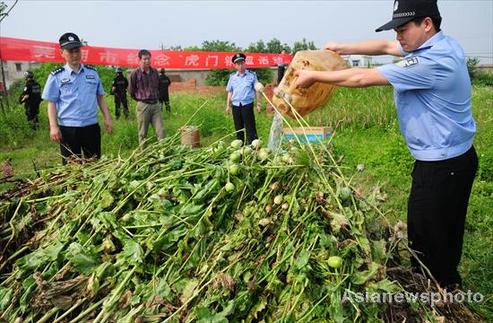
(119, 91)
(241, 94)
(31, 98)
(164, 83)
(432, 93)
(74, 93)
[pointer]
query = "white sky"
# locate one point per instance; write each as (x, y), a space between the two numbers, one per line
(148, 24)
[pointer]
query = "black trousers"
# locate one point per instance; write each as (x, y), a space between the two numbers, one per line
(78, 140)
(437, 211)
(244, 119)
(32, 113)
(164, 98)
(121, 99)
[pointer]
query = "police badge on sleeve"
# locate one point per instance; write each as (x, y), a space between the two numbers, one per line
(408, 62)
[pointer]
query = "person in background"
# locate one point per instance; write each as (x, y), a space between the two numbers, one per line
(74, 93)
(281, 68)
(31, 98)
(164, 83)
(432, 92)
(144, 88)
(276, 127)
(241, 94)
(119, 91)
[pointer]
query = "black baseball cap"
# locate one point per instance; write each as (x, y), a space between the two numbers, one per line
(239, 57)
(69, 41)
(407, 10)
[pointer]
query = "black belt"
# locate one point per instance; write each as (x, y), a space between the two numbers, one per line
(243, 105)
(147, 101)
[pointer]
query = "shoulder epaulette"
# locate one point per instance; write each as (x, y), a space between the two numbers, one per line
(58, 70)
(90, 67)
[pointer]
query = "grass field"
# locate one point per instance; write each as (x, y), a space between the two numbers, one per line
(366, 132)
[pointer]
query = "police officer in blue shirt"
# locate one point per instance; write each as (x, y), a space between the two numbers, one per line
(241, 94)
(432, 93)
(74, 93)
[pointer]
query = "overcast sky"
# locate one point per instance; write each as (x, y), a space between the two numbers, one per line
(148, 24)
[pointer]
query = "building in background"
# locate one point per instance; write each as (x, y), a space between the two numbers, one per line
(14, 71)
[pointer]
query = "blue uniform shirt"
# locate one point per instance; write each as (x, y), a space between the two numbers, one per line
(432, 92)
(75, 95)
(242, 87)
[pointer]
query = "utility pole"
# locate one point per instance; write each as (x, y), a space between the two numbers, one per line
(4, 15)
(5, 92)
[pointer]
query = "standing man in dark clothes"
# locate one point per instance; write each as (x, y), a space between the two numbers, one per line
(119, 90)
(281, 69)
(144, 88)
(164, 83)
(31, 97)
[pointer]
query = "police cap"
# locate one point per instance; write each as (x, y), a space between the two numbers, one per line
(69, 41)
(407, 10)
(238, 57)
(28, 75)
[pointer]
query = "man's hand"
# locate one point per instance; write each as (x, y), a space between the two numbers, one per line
(305, 78)
(108, 124)
(55, 133)
(228, 109)
(259, 107)
(335, 47)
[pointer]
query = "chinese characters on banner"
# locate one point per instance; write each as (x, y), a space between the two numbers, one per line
(14, 49)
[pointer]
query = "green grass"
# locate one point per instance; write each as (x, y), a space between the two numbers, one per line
(366, 132)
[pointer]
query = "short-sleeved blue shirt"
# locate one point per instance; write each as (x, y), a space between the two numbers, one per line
(432, 92)
(242, 87)
(75, 95)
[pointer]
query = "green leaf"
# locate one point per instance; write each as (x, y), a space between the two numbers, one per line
(106, 200)
(5, 297)
(132, 252)
(302, 259)
(338, 221)
(82, 260)
(364, 244)
(205, 315)
(386, 286)
(52, 251)
(163, 290)
(379, 250)
(363, 276)
(108, 220)
(188, 290)
(258, 308)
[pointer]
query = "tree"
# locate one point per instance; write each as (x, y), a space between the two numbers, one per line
(258, 47)
(3, 9)
(218, 76)
(472, 67)
(303, 45)
(275, 46)
(219, 46)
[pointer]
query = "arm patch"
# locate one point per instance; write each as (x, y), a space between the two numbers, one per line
(408, 62)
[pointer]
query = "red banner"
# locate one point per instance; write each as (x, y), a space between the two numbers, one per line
(15, 49)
